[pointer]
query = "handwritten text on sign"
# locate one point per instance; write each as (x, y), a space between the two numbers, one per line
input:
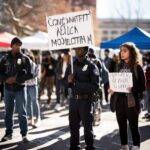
(120, 82)
(70, 30)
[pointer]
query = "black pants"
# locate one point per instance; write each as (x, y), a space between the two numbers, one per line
(48, 83)
(2, 91)
(123, 114)
(60, 90)
(106, 87)
(81, 110)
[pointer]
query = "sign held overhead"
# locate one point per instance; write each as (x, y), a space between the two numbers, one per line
(70, 30)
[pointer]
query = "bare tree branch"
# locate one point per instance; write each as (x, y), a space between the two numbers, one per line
(14, 12)
(31, 10)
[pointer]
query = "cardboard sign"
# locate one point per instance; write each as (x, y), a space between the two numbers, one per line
(120, 82)
(70, 30)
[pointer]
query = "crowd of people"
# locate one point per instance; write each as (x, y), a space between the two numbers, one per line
(79, 84)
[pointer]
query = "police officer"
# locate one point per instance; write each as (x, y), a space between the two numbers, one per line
(15, 69)
(84, 82)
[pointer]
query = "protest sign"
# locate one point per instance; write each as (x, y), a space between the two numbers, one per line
(120, 82)
(70, 30)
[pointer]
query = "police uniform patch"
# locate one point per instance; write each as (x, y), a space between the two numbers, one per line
(19, 61)
(96, 72)
(50, 66)
(85, 68)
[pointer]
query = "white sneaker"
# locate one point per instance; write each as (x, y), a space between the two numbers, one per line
(31, 122)
(135, 148)
(124, 147)
(57, 107)
(37, 123)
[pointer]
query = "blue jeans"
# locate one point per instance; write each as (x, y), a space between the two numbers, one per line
(32, 102)
(20, 97)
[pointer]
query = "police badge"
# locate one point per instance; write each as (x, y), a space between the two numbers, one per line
(96, 72)
(85, 68)
(50, 66)
(19, 61)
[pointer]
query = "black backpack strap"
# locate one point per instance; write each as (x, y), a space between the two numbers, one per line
(135, 71)
(117, 67)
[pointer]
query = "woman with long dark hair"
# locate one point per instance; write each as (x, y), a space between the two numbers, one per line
(128, 104)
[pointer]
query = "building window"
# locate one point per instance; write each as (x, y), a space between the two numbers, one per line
(105, 32)
(104, 38)
(114, 32)
(122, 32)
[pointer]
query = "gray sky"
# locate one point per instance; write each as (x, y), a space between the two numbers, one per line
(129, 9)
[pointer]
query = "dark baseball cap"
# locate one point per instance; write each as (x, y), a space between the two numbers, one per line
(16, 41)
(107, 50)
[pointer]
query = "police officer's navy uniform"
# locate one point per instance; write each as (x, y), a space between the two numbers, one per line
(80, 109)
(18, 66)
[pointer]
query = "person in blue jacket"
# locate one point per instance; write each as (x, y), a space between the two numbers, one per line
(83, 82)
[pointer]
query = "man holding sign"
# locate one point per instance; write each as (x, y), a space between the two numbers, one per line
(74, 30)
(84, 81)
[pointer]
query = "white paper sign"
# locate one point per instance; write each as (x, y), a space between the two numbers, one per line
(120, 82)
(70, 30)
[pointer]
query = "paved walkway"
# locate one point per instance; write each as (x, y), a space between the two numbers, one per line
(53, 134)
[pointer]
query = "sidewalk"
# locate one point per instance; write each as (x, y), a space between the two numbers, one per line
(53, 134)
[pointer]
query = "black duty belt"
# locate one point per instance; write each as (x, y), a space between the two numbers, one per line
(83, 96)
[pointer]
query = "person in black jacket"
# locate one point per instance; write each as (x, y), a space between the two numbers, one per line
(128, 104)
(110, 65)
(15, 69)
(59, 82)
(48, 77)
(83, 83)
